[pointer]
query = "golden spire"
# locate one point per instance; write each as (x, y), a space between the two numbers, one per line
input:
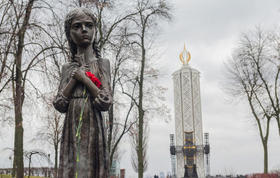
(185, 56)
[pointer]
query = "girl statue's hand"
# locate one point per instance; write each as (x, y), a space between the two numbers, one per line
(78, 74)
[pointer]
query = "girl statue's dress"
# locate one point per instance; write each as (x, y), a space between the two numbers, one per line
(92, 150)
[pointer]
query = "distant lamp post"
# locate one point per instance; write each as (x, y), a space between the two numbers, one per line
(49, 170)
(10, 158)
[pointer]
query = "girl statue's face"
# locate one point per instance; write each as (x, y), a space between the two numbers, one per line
(82, 30)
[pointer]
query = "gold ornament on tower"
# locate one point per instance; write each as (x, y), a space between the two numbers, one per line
(185, 56)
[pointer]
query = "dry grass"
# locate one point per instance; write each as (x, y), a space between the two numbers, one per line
(9, 176)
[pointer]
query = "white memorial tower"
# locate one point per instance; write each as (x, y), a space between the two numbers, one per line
(188, 120)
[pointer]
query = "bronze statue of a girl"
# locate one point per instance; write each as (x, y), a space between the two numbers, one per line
(84, 92)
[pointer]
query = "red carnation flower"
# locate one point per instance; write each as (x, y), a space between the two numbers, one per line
(94, 79)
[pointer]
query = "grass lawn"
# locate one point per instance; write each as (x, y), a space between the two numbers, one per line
(9, 176)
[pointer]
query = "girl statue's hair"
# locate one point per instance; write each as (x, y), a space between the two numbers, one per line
(67, 26)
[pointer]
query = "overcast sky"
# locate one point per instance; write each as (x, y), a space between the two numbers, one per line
(210, 29)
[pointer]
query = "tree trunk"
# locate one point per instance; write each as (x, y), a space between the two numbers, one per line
(141, 111)
(55, 160)
(29, 166)
(140, 145)
(265, 158)
(19, 94)
(278, 123)
(111, 124)
(18, 153)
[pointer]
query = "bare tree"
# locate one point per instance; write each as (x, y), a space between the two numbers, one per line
(7, 35)
(134, 143)
(119, 122)
(51, 132)
(20, 53)
(148, 12)
(50, 68)
(112, 42)
(18, 88)
(124, 39)
(253, 73)
(273, 85)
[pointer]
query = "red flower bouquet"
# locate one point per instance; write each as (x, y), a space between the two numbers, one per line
(94, 79)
